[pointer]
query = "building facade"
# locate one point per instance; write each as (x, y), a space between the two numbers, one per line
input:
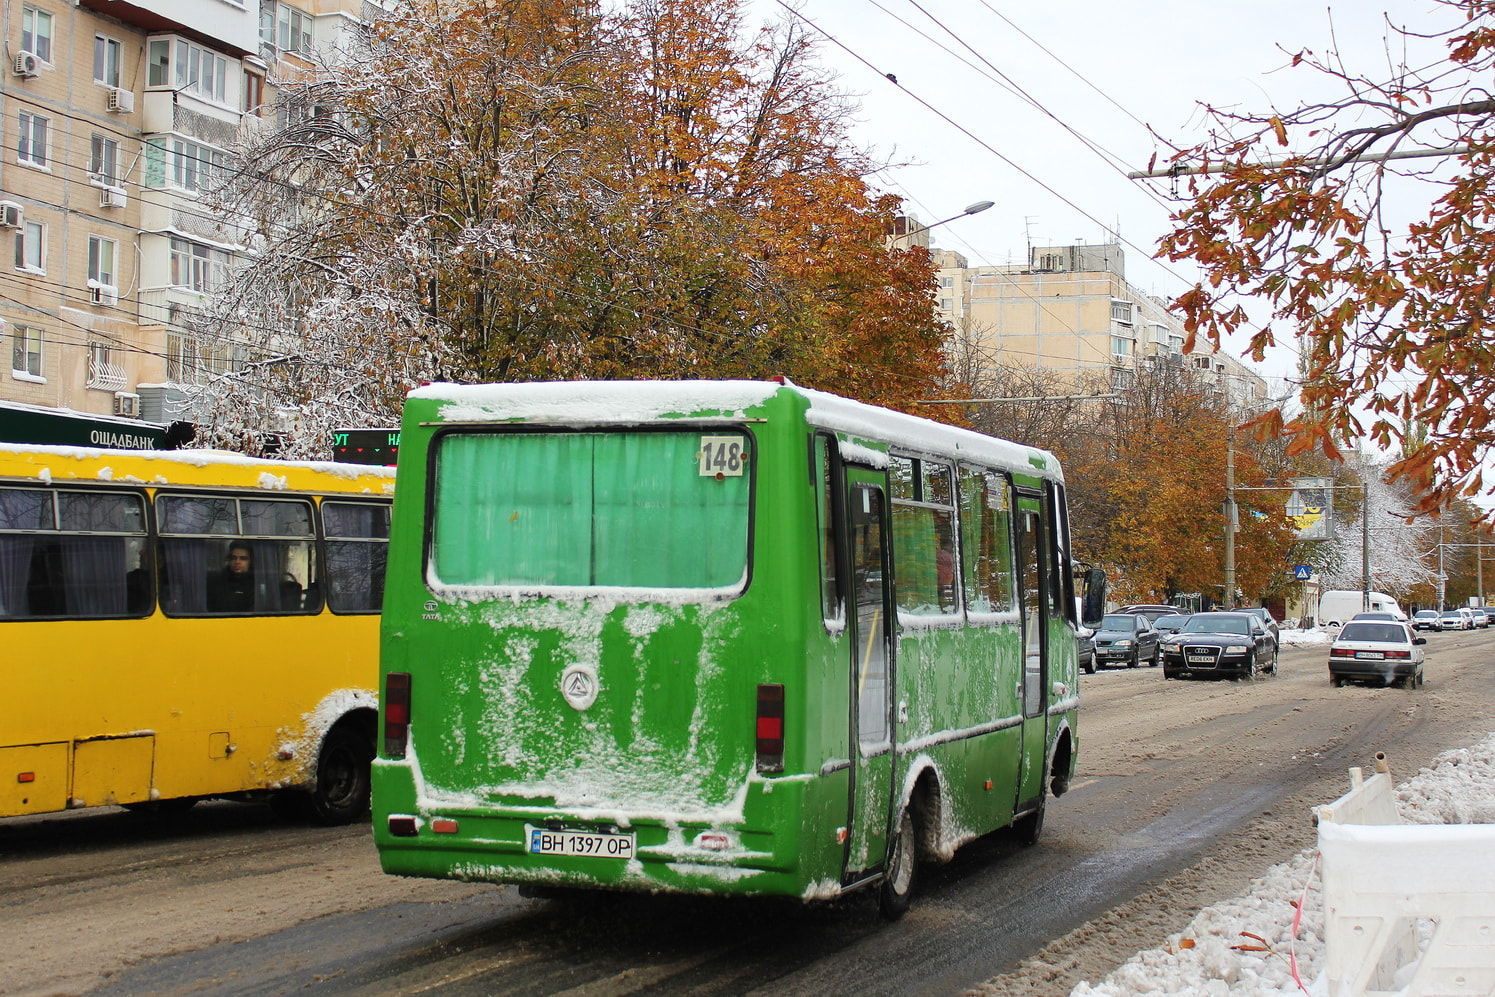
(1071, 311)
(116, 117)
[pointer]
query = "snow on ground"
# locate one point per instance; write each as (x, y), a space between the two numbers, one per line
(1318, 636)
(1246, 947)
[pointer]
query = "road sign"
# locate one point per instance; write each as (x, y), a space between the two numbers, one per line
(1302, 572)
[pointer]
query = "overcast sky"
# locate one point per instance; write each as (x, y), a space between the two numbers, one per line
(1107, 70)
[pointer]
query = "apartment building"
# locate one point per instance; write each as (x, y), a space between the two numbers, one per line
(116, 116)
(1070, 310)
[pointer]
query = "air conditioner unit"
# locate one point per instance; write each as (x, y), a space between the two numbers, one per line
(27, 64)
(11, 214)
(101, 295)
(127, 403)
(113, 197)
(121, 100)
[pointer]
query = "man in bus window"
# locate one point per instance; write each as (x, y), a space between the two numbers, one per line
(232, 589)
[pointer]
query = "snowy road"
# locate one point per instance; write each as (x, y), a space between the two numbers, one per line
(1187, 790)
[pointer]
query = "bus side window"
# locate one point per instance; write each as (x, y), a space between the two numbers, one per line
(832, 606)
(72, 559)
(357, 544)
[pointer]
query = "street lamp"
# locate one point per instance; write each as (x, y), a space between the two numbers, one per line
(970, 209)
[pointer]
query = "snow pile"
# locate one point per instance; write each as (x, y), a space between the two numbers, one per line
(1317, 637)
(1245, 947)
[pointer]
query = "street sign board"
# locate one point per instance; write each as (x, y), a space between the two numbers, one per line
(1302, 572)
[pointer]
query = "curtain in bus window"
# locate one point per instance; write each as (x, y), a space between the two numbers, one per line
(20, 509)
(986, 541)
(356, 553)
(513, 509)
(185, 564)
(195, 514)
(93, 576)
(616, 509)
(660, 522)
(923, 560)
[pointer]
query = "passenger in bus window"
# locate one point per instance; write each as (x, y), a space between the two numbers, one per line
(232, 589)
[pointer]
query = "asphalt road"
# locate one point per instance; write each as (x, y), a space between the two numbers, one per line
(1186, 789)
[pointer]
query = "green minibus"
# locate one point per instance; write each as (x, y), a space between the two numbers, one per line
(716, 636)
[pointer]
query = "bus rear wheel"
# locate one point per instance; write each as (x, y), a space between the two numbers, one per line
(903, 861)
(341, 795)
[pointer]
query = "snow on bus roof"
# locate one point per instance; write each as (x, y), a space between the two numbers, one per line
(608, 402)
(195, 458)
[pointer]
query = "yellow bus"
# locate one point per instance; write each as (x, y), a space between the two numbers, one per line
(188, 624)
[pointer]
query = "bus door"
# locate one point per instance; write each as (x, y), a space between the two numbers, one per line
(871, 674)
(1033, 563)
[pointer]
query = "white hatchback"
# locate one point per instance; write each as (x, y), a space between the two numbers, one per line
(1380, 652)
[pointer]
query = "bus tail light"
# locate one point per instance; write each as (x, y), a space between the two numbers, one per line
(396, 713)
(770, 728)
(403, 827)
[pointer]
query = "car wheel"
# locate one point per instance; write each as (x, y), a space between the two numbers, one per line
(1134, 662)
(903, 861)
(1157, 657)
(1090, 665)
(1335, 681)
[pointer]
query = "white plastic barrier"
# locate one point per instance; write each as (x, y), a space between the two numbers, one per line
(1391, 889)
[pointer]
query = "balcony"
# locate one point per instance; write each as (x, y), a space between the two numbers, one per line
(105, 376)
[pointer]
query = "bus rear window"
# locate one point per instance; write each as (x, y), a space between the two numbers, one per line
(633, 509)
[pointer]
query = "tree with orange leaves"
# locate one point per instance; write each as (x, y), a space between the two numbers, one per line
(1296, 209)
(507, 190)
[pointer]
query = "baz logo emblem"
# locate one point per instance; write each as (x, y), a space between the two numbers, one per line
(579, 686)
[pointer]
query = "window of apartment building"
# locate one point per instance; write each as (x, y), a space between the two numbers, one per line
(189, 361)
(103, 161)
(102, 254)
(31, 146)
(948, 304)
(106, 58)
(1121, 311)
(294, 30)
(1121, 379)
(199, 267)
(947, 281)
(36, 33)
(26, 352)
(31, 247)
(179, 162)
(1203, 363)
(174, 62)
(254, 93)
(1121, 346)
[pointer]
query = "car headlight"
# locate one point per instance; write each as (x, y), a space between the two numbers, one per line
(1236, 649)
(1122, 643)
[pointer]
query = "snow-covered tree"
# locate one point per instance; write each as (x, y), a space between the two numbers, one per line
(497, 190)
(1398, 545)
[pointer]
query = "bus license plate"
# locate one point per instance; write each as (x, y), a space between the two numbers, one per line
(545, 842)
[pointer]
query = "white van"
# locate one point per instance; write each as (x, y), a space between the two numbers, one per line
(1336, 606)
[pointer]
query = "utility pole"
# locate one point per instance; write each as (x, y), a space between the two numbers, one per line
(1230, 519)
(1365, 545)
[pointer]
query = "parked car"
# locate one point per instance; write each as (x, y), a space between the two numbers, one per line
(1085, 649)
(1452, 619)
(1374, 617)
(1126, 639)
(1427, 619)
(1220, 644)
(1481, 619)
(1151, 611)
(1380, 652)
(1170, 624)
(1468, 615)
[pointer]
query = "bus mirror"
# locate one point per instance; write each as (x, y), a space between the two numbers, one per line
(1093, 605)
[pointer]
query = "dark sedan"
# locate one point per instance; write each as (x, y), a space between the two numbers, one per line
(1170, 624)
(1125, 639)
(1215, 645)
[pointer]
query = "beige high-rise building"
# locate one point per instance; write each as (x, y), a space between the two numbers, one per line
(1071, 311)
(115, 116)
